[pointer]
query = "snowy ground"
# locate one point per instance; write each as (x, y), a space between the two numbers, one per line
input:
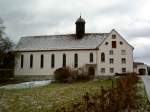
(146, 80)
(26, 85)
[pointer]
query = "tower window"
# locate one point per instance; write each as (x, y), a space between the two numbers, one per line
(114, 44)
(102, 57)
(52, 61)
(42, 61)
(64, 60)
(22, 60)
(91, 57)
(31, 61)
(75, 60)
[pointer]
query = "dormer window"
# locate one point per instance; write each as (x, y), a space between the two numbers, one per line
(113, 36)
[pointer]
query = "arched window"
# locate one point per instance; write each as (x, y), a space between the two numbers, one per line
(31, 60)
(42, 61)
(75, 60)
(52, 61)
(64, 60)
(102, 57)
(91, 57)
(22, 60)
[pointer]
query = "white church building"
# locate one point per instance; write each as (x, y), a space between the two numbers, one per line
(97, 53)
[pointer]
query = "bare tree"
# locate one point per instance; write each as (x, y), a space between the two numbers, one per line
(6, 49)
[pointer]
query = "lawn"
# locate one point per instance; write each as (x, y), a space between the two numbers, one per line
(47, 98)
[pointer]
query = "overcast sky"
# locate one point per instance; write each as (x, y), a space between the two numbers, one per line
(131, 18)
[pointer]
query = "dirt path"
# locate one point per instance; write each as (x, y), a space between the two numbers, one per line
(146, 80)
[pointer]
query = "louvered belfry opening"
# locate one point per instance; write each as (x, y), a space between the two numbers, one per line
(80, 28)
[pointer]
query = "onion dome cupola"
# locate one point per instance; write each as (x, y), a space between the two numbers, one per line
(80, 28)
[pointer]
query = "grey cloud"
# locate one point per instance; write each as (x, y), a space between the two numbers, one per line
(24, 17)
(121, 8)
(138, 32)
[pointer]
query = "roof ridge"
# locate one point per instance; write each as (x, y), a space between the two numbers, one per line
(61, 35)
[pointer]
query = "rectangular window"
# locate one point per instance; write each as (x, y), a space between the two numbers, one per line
(113, 36)
(123, 52)
(114, 44)
(123, 70)
(111, 70)
(111, 60)
(111, 52)
(102, 70)
(123, 60)
(75, 60)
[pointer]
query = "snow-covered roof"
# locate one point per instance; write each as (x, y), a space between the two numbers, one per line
(60, 42)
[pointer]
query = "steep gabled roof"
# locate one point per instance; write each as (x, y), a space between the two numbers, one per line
(113, 30)
(135, 64)
(60, 42)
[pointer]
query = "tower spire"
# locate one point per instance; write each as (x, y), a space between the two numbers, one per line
(80, 27)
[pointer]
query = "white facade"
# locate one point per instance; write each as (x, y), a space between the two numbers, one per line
(83, 58)
(121, 52)
(122, 56)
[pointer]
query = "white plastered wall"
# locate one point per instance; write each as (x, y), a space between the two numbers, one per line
(83, 58)
(117, 65)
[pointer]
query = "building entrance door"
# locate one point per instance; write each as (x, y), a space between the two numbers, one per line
(91, 71)
(142, 72)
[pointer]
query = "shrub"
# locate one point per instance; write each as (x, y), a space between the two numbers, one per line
(80, 75)
(62, 74)
(67, 74)
(123, 74)
(120, 97)
(6, 73)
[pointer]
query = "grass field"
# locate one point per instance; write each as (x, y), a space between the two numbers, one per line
(47, 98)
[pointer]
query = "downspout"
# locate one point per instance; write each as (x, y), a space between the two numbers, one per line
(97, 61)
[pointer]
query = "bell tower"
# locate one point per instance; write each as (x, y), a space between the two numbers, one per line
(80, 28)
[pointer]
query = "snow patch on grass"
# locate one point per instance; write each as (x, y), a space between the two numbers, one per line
(26, 85)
